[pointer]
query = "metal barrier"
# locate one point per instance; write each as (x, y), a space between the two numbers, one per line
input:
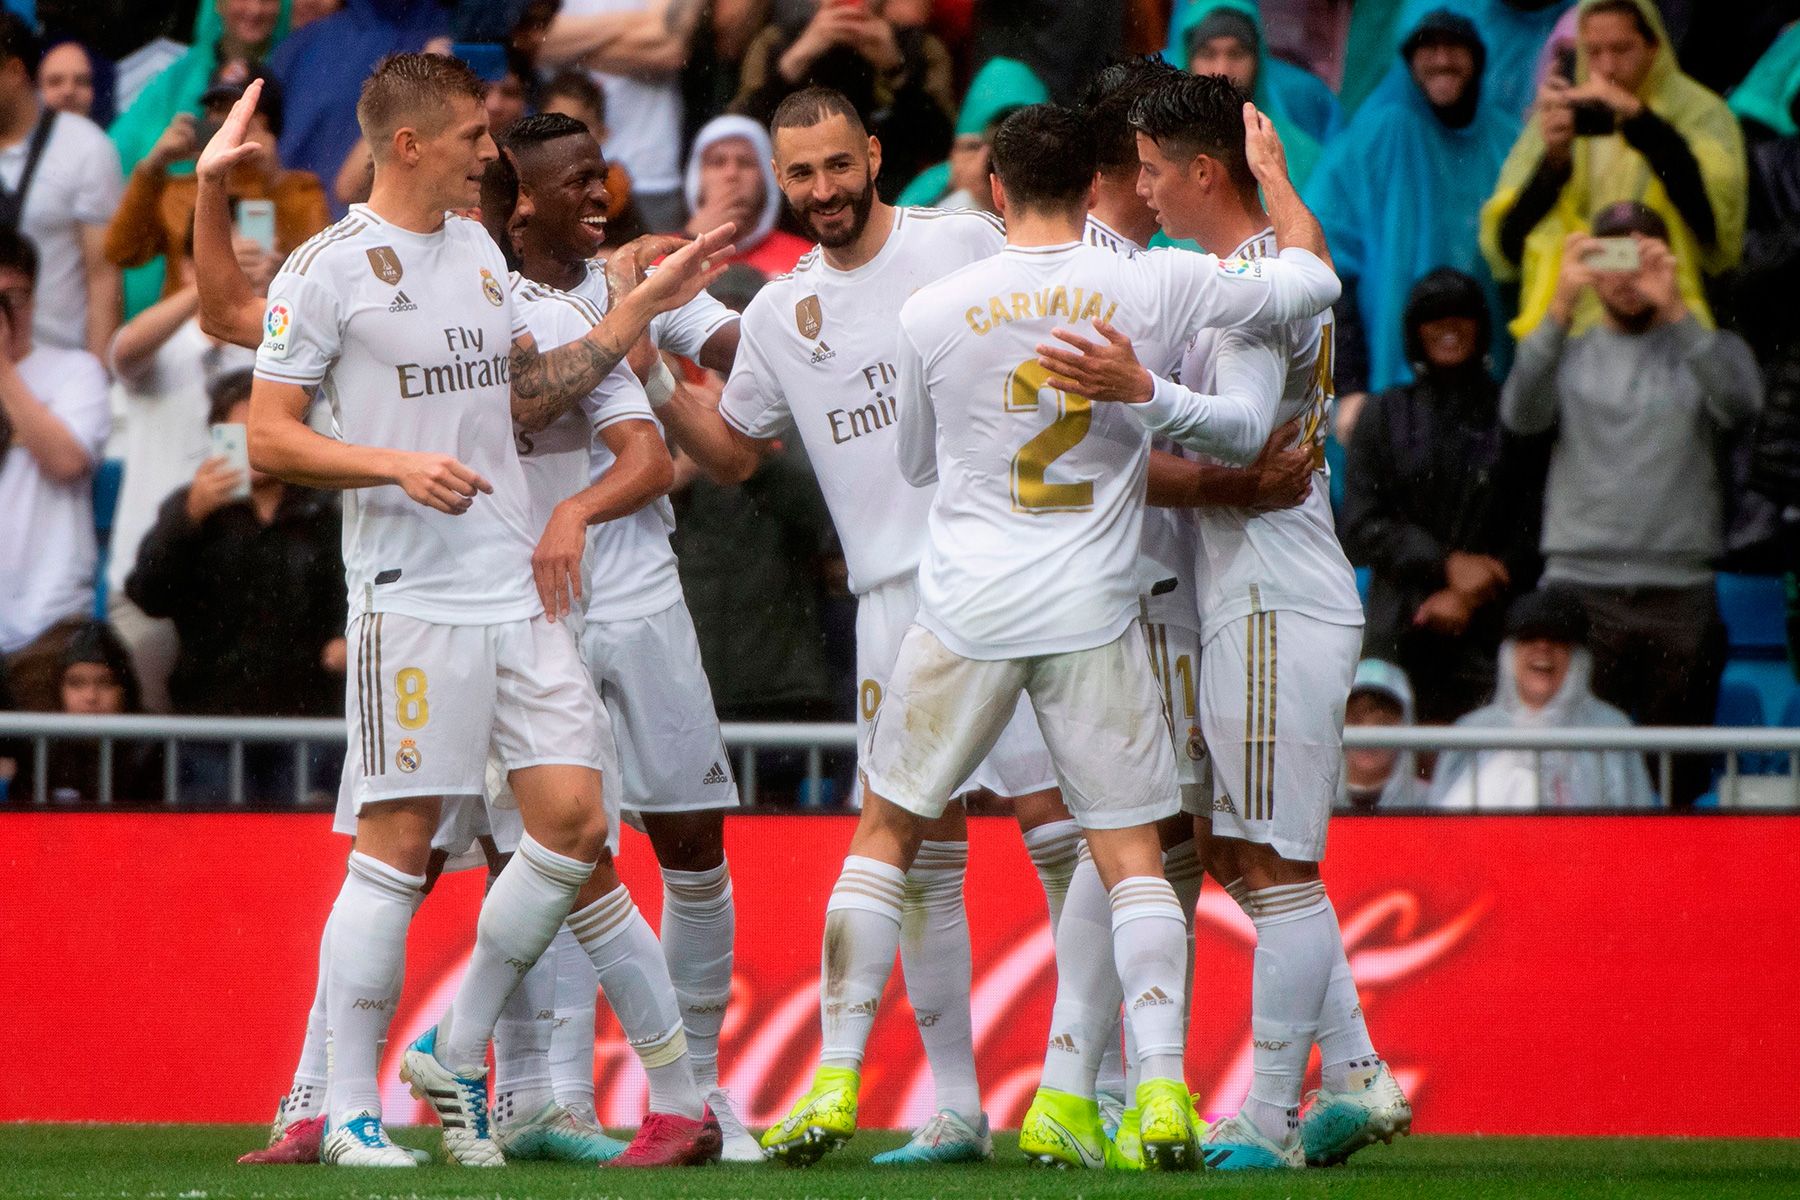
(818, 738)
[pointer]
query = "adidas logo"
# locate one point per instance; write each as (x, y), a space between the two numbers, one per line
(1150, 999)
(822, 353)
(1222, 803)
(402, 304)
(716, 774)
(1065, 1043)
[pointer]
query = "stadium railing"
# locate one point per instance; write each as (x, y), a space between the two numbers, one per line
(1768, 746)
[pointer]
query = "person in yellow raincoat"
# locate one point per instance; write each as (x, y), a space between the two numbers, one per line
(1629, 125)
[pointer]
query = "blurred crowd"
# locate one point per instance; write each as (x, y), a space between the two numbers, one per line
(1567, 360)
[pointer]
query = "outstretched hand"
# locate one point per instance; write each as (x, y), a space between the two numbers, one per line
(228, 148)
(686, 272)
(630, 264)
(1106, 370)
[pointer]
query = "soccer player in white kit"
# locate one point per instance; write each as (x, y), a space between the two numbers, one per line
(423, 392)
(818, 355)
(1282, 630)
(1029, 586)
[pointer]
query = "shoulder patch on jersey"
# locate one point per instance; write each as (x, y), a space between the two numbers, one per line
(809, 318)
(386, 264)
(278, 321)
(1249, 267)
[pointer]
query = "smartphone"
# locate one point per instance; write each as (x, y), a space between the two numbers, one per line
(1613, 254)
(1565, 62)
(232, 443)
(256, 221)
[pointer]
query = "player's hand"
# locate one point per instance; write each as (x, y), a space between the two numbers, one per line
(556, 563)
(686, 272)
(631, 262)
(211, 490)
(335, 657)
(1262, 146)
(1104, 370)
(439, 481)
(1477, 577)
(228, 148)
(1283, 471)
(1445, 612)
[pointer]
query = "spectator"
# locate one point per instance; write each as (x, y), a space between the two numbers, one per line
(165, 367)
(731, 177)
(96, 679)
(156, 216)
(254, 586)
(61, 181)
(322, 68)
(574, 94)
(1544, 669)
(1634, 507)
(1437, 501)
(1515, 32)
(635, 49)
(898, 77)
(964, 181)
(1399, 192)
(224, 31)
(1225, 37)
(66, 79)
(54, 420)
(1380, 697)
(1063, 44)
(506, 99)
(1633, 127)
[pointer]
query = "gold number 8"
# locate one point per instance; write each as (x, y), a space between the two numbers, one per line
(409, 689)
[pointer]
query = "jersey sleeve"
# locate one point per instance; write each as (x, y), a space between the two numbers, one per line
(754, 403)
(620, 397)
(916, 444)
(1233, 423)
(1199, 291)
(686, 329)
(303, 330)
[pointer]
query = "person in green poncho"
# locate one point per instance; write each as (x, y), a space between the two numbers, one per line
(961, 181)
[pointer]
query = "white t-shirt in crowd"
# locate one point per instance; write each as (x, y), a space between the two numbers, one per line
(818, 353)
(47, 547)
(408, 337)
(163, 423)
(643, 112)
(78, 182)
(1037, 523)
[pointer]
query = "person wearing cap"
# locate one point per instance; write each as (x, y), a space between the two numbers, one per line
(1544, 672)
(1441, 502)
(731, 177)
(1634, 505)
(1380, 697)
(1399, 192)
(155, 217)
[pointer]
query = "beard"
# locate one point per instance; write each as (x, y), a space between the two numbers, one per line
(860, 203)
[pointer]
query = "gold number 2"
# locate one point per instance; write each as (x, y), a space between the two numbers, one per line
(412, 710)
(1031, 492)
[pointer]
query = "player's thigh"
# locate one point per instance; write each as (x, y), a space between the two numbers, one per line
(1273, 689)
(671, 756)
(1019, 766)
(1174, 655)
(942, 714)
(1102, 717)
(883, 615)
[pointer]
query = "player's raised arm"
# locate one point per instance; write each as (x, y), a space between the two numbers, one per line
(229, 308)
(546, 384)
(1294, 224)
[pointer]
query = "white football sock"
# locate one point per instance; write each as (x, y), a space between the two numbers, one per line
(862, 933)
(631, 969)
(1052, 849)
(1089, 894)
(1295, 934)
(522, 912)
(306, 1096)
(1085, 1020)
(1150, 949)
(1181, 867)
(1239, 891)
(934, 957)
(522, 1044)
(572, 1033)
(368, 953)
(1347, 1057)
(698, 926)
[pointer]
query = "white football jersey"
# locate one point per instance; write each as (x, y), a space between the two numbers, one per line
(817, 353)
(1289, 559)
(1037, 522)
(408, 338)
(680, 330)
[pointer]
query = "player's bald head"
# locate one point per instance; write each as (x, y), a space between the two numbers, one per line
(416, 91)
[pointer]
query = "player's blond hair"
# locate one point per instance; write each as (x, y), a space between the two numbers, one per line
(412, 91)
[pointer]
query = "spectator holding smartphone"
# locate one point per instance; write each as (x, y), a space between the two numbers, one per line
(1619, 122)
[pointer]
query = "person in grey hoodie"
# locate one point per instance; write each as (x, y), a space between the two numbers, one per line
(1634, 507)
(1381, 696)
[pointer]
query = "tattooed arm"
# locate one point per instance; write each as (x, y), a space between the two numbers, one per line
(546, 384)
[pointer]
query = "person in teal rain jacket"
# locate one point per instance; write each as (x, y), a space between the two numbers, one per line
(1514, 30)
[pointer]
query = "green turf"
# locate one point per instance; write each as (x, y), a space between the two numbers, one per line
(195, 1163)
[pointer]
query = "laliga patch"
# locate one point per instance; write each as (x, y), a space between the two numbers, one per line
(1250, 268)
(278, 319)
(490, 287)
(407, 757)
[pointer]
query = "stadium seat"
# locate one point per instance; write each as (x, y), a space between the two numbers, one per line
(1754, 608)
(1740, 705)
(1790, 712)
(1771, 679)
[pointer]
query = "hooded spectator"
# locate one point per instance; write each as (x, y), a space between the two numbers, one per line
(1544, 668)
(96, 680)
(1400, 190)
(1442, 503)
(1380, 697)
(962, 181)
(1515, 32)
(1633, 127)
(731, 177)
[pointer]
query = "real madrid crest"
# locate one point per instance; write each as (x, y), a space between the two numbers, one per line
(490, 287)
(407, 756)
(808, 318)
(386, 264)
(1196, 745)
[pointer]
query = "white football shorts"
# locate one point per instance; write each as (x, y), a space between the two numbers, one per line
(1175, 666)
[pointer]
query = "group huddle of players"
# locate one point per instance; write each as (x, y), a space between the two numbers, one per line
(1074, 483)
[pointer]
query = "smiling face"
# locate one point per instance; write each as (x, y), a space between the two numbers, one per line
(564, 182)
(1539, 666)
(1443, 71)
(1449, 341)
(827, 173)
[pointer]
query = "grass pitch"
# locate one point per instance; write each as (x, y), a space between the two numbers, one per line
(188, 1162)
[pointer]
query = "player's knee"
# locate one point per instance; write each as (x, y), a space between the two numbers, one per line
(687, 841)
